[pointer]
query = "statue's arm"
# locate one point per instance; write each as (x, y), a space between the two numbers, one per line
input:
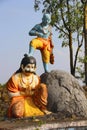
(12, 87)
(36, 31)
(32, 32)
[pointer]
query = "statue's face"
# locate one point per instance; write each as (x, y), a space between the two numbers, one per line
(29, 68)
(46, 19)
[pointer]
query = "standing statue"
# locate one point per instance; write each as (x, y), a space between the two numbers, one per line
(43, 42)
(28, 95)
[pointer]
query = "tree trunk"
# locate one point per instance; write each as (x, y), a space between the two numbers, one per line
(71, 54)
(85, 35)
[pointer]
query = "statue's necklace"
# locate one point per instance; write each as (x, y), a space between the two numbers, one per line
(26, 81)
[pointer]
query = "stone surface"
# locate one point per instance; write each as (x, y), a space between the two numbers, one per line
(26, 124)
(65, 96)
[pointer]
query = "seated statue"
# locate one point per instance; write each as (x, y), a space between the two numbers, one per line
(28, 95)
(43, 41)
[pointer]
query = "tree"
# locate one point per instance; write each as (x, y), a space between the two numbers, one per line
(84, 2)
(67, 18)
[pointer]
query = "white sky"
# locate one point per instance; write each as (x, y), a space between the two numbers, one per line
(17, 17)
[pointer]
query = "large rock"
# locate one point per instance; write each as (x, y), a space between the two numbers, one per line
(65, 95)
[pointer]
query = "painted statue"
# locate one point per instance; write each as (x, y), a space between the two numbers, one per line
(28, 95)
(43, 41)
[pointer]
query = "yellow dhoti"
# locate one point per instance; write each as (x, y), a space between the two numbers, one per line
(31, 109)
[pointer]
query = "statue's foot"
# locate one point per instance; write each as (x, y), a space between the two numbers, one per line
(46, 112)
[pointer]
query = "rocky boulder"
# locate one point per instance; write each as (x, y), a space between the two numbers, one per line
(65, 95)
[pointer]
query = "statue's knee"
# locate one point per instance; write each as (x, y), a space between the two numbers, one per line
(33, 43)
(18, 109)
(30, 43)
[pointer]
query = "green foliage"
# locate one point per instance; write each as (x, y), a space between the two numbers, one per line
(85, 59)
(36, 5)
(65, 43)
(80, 68)
(81, 73)
(2, 85)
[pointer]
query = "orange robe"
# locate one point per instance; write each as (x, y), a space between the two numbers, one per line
(26, 99)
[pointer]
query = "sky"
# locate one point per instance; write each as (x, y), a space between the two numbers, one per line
(17, 17)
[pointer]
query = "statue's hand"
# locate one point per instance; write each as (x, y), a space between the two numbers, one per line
(40, 34)
(29, 91)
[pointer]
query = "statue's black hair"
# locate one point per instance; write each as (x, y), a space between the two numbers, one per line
(28, 59)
